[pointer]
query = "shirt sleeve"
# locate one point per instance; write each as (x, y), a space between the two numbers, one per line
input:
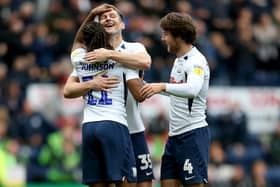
(77, 56)
(74, 73)
(139, 48)
(195, 79)
(131, 74)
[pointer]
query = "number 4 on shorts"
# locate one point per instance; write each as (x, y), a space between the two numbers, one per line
(188, 166)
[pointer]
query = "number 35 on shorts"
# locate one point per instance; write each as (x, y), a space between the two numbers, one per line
(145, 161)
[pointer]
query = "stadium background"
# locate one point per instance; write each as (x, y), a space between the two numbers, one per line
(40, 131)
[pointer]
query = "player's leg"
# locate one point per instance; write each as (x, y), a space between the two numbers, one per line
(169, 177)
(99, 185)
(143, 160)
(126, 184)
(144, 184)
(118, 155)
(177, 183)
(192, 157)
(195, 185)
(92, 159)
(170, 183)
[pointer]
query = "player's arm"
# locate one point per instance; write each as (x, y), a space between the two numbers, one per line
(135, 86)
(78, 41)
(134, 83)
(138, 60)
(74, 88)
(190, 89)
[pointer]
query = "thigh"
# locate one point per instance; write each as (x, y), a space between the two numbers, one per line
(99, 185)
(118, 154)
(169, 168)
(170, 183)
(192, 156)
(143, 158)
(92, 159)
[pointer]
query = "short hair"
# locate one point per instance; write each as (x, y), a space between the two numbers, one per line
(94, 36)
(117, 10)
(179, 25)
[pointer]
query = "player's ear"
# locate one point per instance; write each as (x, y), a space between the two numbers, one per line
(122, 25)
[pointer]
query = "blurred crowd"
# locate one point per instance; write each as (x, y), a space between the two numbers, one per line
(240, 38)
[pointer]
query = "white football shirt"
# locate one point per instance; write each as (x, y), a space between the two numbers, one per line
(134, 120)
(189, 113)
(109, 106)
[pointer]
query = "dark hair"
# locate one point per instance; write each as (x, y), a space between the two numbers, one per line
(180, 25)
(94, 36)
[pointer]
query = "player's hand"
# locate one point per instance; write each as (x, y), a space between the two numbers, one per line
(97, 55)
(148, 90)
(101, 9)
(101, 83)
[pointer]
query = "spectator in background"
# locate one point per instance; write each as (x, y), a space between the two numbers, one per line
(58, 160)
(244, 45)
(34, 127)
(258, 177)
(276, 18)
(4, 125)
(44, 45)
(220, 20)
(221, 172)
(222, 57)
(233, 127)
(11, 169)
(159, 124)
(275, 145)
(266, 35)
(13, 97)
(3, 81)
(241, 147)
(183, 6)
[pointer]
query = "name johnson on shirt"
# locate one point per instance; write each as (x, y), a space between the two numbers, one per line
(98, 66)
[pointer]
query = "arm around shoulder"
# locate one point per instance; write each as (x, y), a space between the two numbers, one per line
(139, 60)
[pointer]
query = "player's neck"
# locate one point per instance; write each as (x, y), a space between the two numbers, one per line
(116, 40)
(184, 48)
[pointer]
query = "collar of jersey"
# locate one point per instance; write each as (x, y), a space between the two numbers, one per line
(187, 54)
(121, 46)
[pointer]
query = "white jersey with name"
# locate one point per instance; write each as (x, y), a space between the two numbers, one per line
(101, 105)
(134, 120)
(189, 113)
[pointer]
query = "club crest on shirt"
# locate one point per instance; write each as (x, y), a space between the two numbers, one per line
(179, 68)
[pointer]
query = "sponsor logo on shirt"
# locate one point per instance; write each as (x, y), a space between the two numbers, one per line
(75, 53)
(198, 70)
